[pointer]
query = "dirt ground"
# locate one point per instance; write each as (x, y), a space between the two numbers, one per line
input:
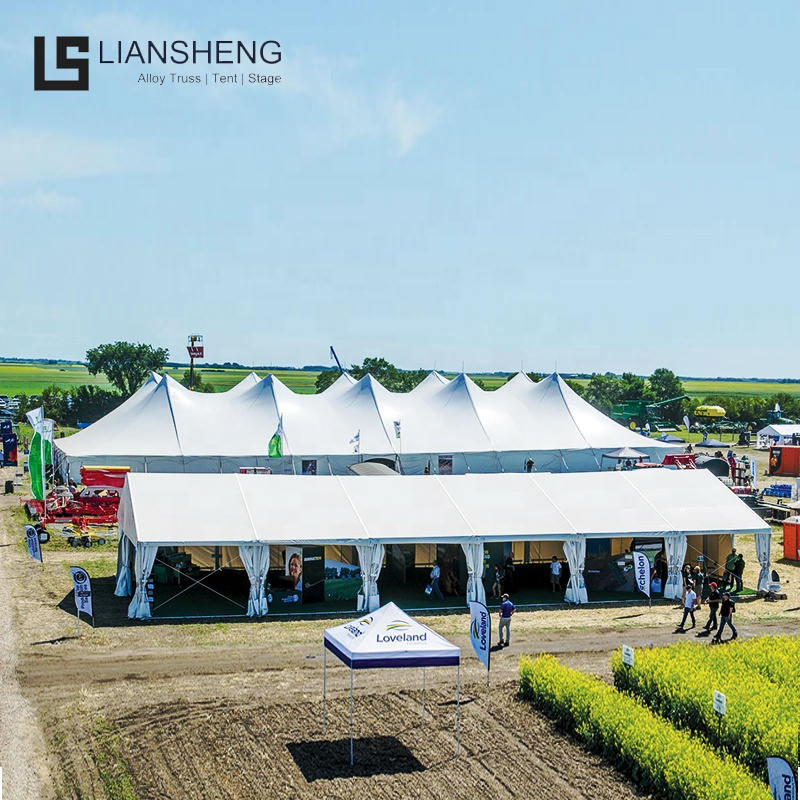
(233, 709)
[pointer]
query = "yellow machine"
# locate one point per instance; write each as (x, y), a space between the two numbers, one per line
(709, 412)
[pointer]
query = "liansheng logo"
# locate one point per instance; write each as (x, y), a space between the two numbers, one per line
(168, 53)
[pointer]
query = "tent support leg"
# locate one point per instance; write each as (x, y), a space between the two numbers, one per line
(324, 689)
(351, 716)
(458, 711)
(423, 695)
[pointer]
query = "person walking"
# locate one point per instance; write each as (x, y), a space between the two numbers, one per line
(506, 612)
(555, 575)
(508, 574)
(730, 564)
(436, 573)
(726, 617)
(497, 585)
(738, 570)
(689, 603)
(713, 607)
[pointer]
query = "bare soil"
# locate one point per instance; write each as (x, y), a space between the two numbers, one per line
(233, 709)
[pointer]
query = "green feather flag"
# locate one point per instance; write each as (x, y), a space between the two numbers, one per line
(276, 442)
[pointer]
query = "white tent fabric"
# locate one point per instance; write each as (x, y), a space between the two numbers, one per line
(388, 637)
(370, 557)
(139, 607)
(575, 551)
(782, 434)
(473, 551)
(164, 427)
(763, 543)
(169, 509)
(255, 559)
(123, 569)
(675, 547)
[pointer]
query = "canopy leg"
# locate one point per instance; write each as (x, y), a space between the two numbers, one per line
(324, 689)
(458, 711)
(423, 695)
(351, 716)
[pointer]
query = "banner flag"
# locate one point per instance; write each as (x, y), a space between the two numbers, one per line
(83, 590)
(686, 423)
(47, 441)
(34, 546)
(480, 631)
(356, 440)
(397, 429)
(753, 476)
(276, 442)
(36, 466)
(782, 781)
(36, 419)
(641, 570)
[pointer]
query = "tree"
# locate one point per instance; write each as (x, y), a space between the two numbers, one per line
(126, 365)
(665, 384)
(197, 384)
(325, 379)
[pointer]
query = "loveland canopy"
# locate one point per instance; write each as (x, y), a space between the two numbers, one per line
(389, 637)
(446, 426)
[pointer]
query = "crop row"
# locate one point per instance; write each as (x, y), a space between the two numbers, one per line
(678, 683)
(657, 756)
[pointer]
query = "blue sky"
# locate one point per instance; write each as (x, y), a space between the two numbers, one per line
(597, 186)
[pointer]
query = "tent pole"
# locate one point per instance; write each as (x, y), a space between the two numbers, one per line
(423, 695)
(324, 689)
(458, 711)
(351, 716)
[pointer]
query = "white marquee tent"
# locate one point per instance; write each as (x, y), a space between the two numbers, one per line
(445, 425)
(777, 434)
(255, 512)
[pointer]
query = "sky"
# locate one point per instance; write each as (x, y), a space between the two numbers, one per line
(592, 187)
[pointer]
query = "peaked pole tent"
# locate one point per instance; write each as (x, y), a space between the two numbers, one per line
(448, 427)
(371, 513)
(389, 638)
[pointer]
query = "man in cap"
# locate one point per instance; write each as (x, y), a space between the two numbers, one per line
(506, 611)
(713, 606)
(726, 617)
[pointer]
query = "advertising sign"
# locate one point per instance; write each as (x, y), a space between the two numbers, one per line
(480, 631)
(627, 655)
(641, 570)
(83, 590)
(32, 540)
(313, 574)
(782, 781)
(720, 703)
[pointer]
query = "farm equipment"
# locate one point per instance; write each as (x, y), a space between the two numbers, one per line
(774, 417)
(638, 413)
(709, 413)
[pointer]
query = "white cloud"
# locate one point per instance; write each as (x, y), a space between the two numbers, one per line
(49, 201)
(36, 156)
(352, 113)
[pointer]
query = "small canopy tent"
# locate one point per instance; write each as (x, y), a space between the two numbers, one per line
(670, 438)
(625, 454)
(387, 638)
(712, 443)
(777, 434)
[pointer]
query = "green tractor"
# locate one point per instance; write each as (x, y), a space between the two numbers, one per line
(639, 413)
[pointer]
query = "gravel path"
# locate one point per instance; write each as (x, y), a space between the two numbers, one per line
(21, 742)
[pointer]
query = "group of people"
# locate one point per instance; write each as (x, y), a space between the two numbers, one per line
(719, 597)
(503, 580)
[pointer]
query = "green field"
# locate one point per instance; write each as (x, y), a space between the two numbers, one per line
(27, 378)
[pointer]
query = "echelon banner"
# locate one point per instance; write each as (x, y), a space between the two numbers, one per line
(641, 570)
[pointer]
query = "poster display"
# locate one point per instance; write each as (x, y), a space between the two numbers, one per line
(445, 465)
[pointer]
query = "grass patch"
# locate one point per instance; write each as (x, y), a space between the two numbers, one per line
(112, 768)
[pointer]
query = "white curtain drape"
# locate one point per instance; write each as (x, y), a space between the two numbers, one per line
(675, 546)
(575, 551)
(123, 567)
(145, 558)
(763, 543)
(370, 557)
(475, 589)
(255, 558)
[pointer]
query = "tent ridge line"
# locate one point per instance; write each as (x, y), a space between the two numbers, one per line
(247, 509)
(352, 505)
(636, 489)
(378, 411)
(458, 510)
(557, 508)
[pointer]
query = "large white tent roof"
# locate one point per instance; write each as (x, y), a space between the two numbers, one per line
(780, 430)
(175, 509)
(164, 427)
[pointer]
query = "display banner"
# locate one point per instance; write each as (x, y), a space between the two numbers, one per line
(480, 631)
(641, 570)
(782, 781)
(83, 590)
(34, 546)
